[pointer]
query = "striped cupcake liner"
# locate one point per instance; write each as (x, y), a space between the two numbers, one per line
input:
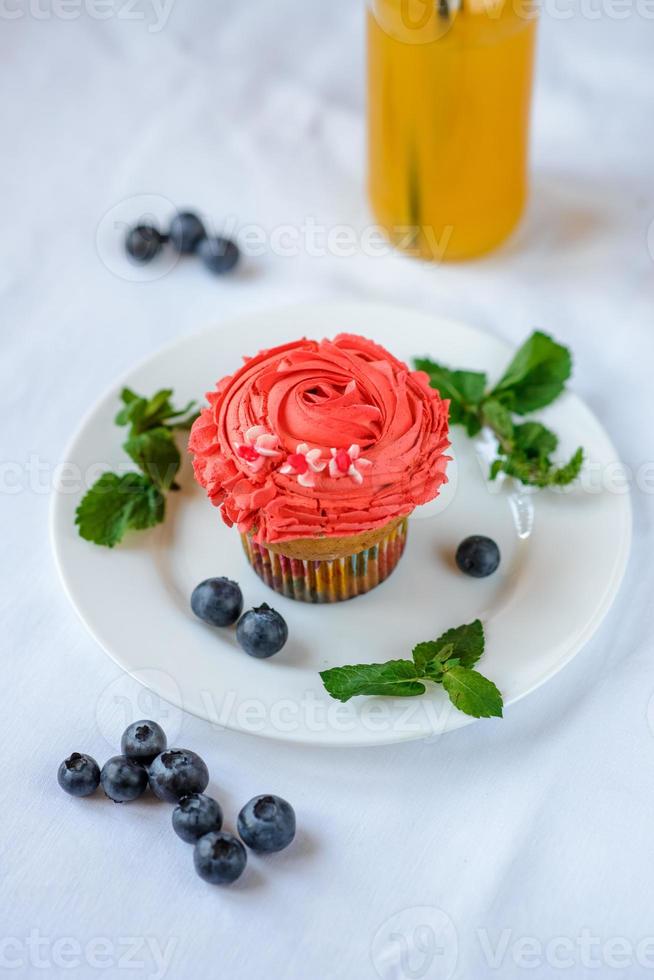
(328, 580)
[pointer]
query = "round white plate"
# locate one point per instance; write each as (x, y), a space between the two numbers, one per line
(563, 557)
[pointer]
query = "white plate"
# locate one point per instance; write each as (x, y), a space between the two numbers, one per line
(564, 555)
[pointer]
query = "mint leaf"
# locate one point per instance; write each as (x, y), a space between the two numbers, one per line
(469, 386)
(536, 376)
(465, 389)
(148, 508)
(429, 652)
(128, 396)
(538, 471)
(143, 414)
(160, 411)
(568, 473)
(397, 678)
(466, 643)
(155, 453)
(472, 693)
(183, 419)
(525, 450)
(535, 440)
(424, 653)
(114, 504)
(133, 410)
(158, 406)
(497, 417)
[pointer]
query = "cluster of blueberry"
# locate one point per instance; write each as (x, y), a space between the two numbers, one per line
(188, 236)
(261, 632)
(265, 824)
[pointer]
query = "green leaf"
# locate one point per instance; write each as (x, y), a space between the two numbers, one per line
(538, 471)
(156, 454)
(133, 408)
(465, 389)
(114, 504)
(535, 440)
(498, 418)
(470, 384)
(128, 396)
(397, 678)
(160, 411)
(466, 643)
(143, 414)
(536, 376)
(472, 693)
(183, 419)
(433, 651)
(461, 386)
(526, 455)
(158, 407)
(568, 473)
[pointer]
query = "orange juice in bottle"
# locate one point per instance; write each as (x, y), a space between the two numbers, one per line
(449, 95)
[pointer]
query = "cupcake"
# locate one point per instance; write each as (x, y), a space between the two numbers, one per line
(318, 452)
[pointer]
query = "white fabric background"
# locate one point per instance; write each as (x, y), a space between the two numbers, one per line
(540, 826)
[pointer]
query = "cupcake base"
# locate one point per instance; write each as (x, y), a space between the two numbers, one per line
(328, 580)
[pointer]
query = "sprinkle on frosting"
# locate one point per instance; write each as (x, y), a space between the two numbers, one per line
(258, 445)
(348, 462)
(304, 463)
(280, 434)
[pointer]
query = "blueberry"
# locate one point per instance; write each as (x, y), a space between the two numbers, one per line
(220, 255)
(177, 773)
(143, 741)
(79, 775)
(196, 815)
(186, 232)
(123, 779)
(217, 601)
(144, 242)
(262, 632)
(266, 824)
(478, 556)
(219, 858)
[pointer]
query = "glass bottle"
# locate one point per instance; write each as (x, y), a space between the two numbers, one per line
(449, 96)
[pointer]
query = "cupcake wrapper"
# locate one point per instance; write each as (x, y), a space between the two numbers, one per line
(328, 581)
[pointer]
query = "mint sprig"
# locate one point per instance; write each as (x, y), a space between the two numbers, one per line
(449, 661)
(135, 501)
(114, 504)
(535, 378)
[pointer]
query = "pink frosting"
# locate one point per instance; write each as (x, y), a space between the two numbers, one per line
(381, 432)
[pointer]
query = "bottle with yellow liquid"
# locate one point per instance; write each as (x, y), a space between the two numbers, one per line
(449, 97)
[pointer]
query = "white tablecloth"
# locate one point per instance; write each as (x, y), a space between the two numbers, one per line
(521, 848)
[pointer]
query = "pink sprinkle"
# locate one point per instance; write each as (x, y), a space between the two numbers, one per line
(299, 462)
(247, 453)
(343, 460)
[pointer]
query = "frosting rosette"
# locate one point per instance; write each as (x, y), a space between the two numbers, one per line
(322, 438)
